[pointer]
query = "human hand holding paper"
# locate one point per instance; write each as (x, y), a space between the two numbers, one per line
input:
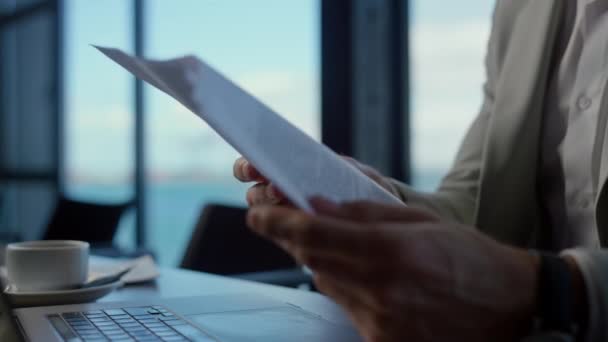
(265, 192)
(298, 165)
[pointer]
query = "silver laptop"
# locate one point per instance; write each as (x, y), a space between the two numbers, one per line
(229, 318)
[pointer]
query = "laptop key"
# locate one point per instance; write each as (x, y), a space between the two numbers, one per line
(93, 312)
(95, 315)
(67, 315)
(80, 324)
(117, 336)
(100, 319)
(148, 320)
(114, 312)
(125, 320)
(137, 311)
(76, 320)
(84, 329)
(110, 328)
(129, 326)
(104, 323)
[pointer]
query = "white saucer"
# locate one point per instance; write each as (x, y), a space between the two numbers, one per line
(44, 298)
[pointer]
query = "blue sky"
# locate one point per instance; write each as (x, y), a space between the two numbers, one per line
(271, 48)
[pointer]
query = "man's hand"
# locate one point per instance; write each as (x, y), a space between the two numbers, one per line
(264, 192)
(401, 274)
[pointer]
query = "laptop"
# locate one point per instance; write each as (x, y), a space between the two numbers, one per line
(219, 318)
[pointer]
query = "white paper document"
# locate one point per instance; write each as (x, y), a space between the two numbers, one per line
(296, 163)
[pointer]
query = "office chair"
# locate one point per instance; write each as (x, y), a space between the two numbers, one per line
(91, 222)
(222, 244)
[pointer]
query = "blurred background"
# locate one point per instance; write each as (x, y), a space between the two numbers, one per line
(395, 83)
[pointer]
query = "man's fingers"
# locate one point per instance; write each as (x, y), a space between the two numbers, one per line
(265, 193)
(350, 271)
(245, 172)
(349, 301)
(313, 234)
(370, 211)
(237, 169)
(343, 296)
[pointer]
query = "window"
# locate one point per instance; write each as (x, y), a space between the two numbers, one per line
(448, 48)
(270, 48)
(98, 106)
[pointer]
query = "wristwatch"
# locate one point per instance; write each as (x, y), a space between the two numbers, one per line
(555, 297)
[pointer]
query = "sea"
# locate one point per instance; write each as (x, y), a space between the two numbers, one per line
(172, 209)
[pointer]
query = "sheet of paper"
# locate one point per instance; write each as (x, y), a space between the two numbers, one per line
(296, 163)
(143, 269)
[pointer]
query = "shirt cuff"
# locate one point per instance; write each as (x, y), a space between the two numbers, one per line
(594, 268)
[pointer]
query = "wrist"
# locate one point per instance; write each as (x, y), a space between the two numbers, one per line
(523, 314)
(580, 303)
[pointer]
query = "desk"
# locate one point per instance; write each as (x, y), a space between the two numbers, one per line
(183, 283)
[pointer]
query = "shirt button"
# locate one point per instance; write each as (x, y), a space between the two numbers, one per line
(583, 102)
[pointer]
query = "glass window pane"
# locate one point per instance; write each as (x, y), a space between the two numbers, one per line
(268, 47)
(448, 48)
(98, 104)
(99, 120)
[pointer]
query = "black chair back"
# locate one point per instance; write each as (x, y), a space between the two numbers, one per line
(91, 222)
(222, 244)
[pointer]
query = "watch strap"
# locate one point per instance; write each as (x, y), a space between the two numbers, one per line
(555, 297)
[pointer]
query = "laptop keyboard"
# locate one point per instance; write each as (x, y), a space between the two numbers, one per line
(153, 323)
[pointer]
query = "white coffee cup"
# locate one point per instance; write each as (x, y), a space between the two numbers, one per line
(47, 265)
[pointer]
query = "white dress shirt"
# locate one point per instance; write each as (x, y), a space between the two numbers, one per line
(571, 113)
(573, 105)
